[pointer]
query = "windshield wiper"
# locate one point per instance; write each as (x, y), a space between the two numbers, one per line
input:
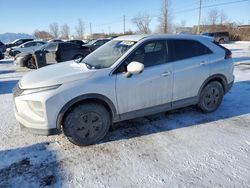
(79, 60)
(88, 65)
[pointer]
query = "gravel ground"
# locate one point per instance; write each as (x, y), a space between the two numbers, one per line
(182, 148)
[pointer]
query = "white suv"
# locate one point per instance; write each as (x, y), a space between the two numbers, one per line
(128, 77)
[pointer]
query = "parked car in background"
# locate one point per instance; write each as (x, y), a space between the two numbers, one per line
(55, 40)
(79, 42)
(220, 37)
(17, 42)
(51, 53)
(2, 47)
(94, 44)
(1, 55)
(26, 47)
(129, 77)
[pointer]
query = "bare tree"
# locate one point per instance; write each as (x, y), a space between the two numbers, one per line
(80, 29)
(42, 35)
(54, 30)
(165, 17)
(213, 16)
(65, 31)
(223, 17)
(142, 22)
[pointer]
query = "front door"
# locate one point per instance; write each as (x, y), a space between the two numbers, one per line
(150, 88)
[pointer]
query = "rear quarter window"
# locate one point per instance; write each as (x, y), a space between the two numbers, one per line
(182, 49)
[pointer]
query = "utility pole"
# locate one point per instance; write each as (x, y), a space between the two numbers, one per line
(124, 24)
(199, 20)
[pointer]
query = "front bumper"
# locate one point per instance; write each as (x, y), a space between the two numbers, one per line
(35, 128)
(37, 112)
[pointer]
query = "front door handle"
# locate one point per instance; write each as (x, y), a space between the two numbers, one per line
(165, 74)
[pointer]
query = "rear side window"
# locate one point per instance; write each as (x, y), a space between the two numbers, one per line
(182, 49)
(51, 47)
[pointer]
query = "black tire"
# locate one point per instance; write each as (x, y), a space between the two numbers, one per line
(79, 56)
(30, 63)
(15, 53)
(86, 124)
(211, 97)
(221, 41)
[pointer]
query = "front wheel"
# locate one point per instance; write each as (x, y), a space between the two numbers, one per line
(86, 124)
(211, 97)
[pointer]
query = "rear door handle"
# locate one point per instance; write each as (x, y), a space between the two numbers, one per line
(204, 62)
(165, 74)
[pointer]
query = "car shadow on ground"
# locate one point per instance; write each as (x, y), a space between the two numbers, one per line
(32, 166)
(7, 86)
(6, 61)
(241, 59)
(234, 104)
(6, 71)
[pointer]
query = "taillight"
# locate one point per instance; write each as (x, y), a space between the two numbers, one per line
(228, 54)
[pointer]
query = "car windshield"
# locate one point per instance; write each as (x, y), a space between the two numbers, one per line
(91, 42)
(108, 54)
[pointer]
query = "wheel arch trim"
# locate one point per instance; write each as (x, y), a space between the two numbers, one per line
(215, 77)
(87, 97)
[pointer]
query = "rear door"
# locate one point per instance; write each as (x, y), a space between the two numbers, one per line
(191, 67)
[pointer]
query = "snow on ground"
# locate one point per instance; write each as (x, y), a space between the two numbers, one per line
(182, 148)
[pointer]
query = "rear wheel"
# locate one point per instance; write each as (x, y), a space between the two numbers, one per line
(15, 53)
(221, 41)
(86, 124)
(31, 64)
(211, 97)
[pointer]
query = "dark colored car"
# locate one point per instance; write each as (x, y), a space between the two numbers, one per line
(220, 37)
(2, 47)
(94, 44)
(17, 42)
(79, 42)
(1, 55)
(55, 40)
(51, 53)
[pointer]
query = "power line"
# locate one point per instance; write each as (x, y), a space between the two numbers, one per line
(176, 12)
(209, 6)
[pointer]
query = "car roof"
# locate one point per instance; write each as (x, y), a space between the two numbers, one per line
(161, 36)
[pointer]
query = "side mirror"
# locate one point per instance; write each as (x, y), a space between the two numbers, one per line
(134, 68)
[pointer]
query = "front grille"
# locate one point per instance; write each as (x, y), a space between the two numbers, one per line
(17, 91)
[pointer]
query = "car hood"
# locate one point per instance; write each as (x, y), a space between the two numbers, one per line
(55, 74)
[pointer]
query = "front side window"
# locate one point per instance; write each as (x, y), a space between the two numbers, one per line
(180, 49)
(150, 54)
(29, 44)
(108, 54)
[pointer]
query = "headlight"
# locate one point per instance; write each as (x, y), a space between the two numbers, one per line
(40, 89)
